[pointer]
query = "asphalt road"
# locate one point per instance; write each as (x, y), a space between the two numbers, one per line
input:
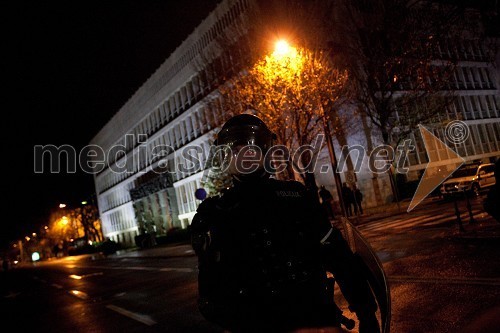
(441, 280)
(78, 294)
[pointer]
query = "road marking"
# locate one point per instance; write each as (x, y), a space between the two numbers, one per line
(79, 277)
(372, 226)
(401, 222)
(417, 222)
(431, 218)
(445, 280)
(55, 285)
(12, 294)
(464, 216)
(170, 269)
(145, 268)
(138, 268)
(79, 294)
(145, 319)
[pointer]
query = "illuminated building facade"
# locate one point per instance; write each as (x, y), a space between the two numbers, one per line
(179, 108)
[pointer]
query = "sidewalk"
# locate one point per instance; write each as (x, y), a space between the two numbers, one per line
(382, 211)
(171, 250)
(485, 226)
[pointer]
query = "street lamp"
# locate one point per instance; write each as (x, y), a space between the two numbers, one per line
(282, 47)
(333, 161)
(64, 220)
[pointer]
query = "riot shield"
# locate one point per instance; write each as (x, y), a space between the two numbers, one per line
(373, 270)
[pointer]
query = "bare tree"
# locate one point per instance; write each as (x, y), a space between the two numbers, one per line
(68, 224)
(88, 218)
(399, 75)
(289, 89)
(390, 49)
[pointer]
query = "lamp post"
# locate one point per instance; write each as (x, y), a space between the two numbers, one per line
(333, 161)
(281, 49)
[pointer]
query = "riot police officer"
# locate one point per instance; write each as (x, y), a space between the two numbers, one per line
(265, 246)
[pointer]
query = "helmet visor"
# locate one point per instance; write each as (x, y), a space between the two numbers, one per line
(240, 136)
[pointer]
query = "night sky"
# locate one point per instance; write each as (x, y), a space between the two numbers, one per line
(71, 65)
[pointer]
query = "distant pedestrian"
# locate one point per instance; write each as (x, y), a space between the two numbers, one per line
(358, 198)
(348, 197)
(326, 202)
(59, 249)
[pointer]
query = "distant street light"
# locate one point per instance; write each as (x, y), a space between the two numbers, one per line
(35, 256)
(282, 47)
(62, 205)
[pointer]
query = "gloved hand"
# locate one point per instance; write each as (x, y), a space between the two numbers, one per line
(368, 323)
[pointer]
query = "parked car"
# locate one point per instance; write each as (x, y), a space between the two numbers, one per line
(469, 178)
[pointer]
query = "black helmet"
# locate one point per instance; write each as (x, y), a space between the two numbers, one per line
(246, 129)
(242, 134)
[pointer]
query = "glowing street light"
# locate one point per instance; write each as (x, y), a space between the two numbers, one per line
(282, 47)
(285, 63)
(62, 205)
(35, 256)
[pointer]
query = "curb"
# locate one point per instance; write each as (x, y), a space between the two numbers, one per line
(158, 251)
(156, 256)
(370, 218)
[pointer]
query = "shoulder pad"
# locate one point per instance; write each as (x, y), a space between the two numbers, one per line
(208, 205)
(204, 214)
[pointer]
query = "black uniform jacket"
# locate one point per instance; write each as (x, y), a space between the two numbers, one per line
(264, 248)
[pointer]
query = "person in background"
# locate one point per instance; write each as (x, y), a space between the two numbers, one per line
(348, 197)
(326, 201)
(358, 199)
